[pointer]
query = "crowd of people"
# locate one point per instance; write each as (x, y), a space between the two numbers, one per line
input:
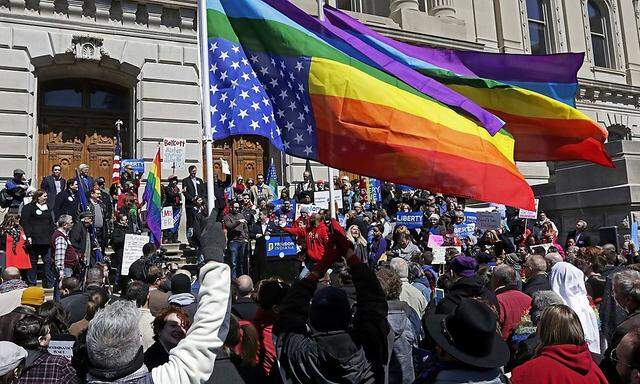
(374, 301)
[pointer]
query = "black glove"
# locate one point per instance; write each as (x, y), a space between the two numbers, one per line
(213, 240)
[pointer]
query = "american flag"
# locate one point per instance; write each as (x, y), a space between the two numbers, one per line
(258, 94)
(117, 161)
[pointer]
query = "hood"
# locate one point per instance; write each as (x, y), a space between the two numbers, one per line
(575, 357)
(182, 299)
(338, 356)
(473, 286)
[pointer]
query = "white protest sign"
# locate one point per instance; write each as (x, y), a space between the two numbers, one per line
(439, 253)
(132, 250)
(321, 199)
(63, 348)
(488, 220)
(174, 152)
(337, 197)
(225, 166)
(524, 214)
(311, 208)
(167, 218)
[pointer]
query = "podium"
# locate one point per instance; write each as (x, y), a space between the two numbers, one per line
(275, 255)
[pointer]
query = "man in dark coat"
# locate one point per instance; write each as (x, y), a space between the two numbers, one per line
(75, 303)
(192, 187)
(535, 270)
(67, 201)
(579, 235)
(626, 292)
(53, 185)
(336, 350)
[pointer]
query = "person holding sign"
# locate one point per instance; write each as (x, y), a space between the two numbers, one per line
(172, 198)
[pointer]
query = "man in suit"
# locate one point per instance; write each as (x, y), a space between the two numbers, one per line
(53, 185)
(87, 181)
(261, 191)
(67, 201)
(263, 227)
(192, 187)
(579, 235)
(306, 186)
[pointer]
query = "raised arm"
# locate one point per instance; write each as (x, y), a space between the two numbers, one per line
(192, 360)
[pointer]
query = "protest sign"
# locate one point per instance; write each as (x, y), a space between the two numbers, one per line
(488, 220)
(470, 217)
(311, 208)
(524, 214)
(337, 197)
(137, 164)
(174, 153)
(321, 199)
(435, 241)
(375, 195)
(132, 250)
(634, 234)
(62, 348)
(224, 165)
(544, 247)
(411, 220)
(439, 253)
(167, 218)
(281, 246)
(464, 230)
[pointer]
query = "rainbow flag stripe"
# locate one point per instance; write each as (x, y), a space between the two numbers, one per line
(362, 117)
(151, 197)
(534, 95)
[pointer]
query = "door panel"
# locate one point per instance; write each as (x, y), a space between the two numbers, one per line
(245, 155)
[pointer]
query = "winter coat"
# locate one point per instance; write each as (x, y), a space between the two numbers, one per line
(404, 340)
(470, 376)
(37, 223)
(463, 288)
(513, 305)
(537, 283)
(560, 364)
(316, 239)
(357, 356)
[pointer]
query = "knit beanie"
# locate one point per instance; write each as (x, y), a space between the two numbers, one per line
(330, 310)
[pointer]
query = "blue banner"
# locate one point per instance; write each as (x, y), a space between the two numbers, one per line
(374, 186)
(411, 220)
(463, 230)
(470, 217)
(137, 164)
(281, 246)
(634, 234)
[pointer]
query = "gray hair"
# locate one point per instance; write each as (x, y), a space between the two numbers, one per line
(536, 263)
(83, 166)
(628, 284)
(400, 266)
(553, 258)
(113, 337)
(245, 285)
(540, 301)
(505, 275)
(64, 219)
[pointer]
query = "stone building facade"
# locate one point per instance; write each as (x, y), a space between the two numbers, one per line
(70, 68)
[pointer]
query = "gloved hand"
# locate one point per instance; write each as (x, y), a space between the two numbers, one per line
(213, 240)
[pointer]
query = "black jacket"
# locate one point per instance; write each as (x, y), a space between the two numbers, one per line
(189, 190)
(37, 224)
(256, 229)
(229, 370)
(48, 185)
(536, 283)
(583, 241)
(155, 356)
(463, 288)
(66, 204)
(608, 365)
(245, 308)
(360, 355)
(78, 237)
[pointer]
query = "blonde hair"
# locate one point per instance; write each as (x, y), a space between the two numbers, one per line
(559, 324)
(360, 240)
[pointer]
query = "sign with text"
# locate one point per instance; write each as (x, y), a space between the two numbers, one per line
(435, 241)
(411, 220)
(174, 153)
(62, 348)
(470, 217)
(440, 252)
(132, 250)
(321, 198)
(464, 230)
(137, 164)
(524, 214)
(488, 220)
(167, 218)
(280, 246)
(311, 208)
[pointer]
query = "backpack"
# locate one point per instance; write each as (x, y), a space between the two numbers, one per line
(5, 198)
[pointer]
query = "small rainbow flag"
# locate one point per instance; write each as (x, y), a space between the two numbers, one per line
(151, 197)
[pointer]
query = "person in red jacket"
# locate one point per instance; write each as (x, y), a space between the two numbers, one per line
(316, 236)
(513, 304)
(563, 356)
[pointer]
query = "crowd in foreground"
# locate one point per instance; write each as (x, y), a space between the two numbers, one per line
(371, 303)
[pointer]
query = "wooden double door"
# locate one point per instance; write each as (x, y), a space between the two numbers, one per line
(77, 125)
(247, 156)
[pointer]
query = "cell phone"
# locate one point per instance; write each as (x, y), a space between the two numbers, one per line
(439, 295)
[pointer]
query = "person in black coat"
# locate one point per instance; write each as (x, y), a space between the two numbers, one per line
(53, 184)
(535, 270)
(579, 235)
(342, 347)
(171, 197)
(80, 237)
(192, 187)
(37, 221)
(67, 201)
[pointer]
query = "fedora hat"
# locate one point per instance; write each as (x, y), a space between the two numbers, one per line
(469, 335)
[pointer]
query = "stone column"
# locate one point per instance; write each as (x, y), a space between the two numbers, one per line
(397, 6)
(442, 8)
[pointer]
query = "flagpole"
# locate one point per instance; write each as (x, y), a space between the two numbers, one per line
(204, 87)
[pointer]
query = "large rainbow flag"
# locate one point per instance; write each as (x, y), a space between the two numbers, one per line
(151, 196)
(534, 95)
(278, 72)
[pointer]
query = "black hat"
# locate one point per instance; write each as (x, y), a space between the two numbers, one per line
(330, 310)
(469, 335)
(180, 283)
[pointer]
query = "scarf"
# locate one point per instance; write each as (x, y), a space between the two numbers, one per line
(182, 299)
(113, 374)
(14, 233)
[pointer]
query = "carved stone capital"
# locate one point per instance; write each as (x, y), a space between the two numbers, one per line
(85, 47)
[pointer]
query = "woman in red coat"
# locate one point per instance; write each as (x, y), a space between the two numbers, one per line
(13, 242)
(563, 356)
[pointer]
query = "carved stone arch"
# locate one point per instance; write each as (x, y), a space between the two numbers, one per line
(618, 132)
(610, 10)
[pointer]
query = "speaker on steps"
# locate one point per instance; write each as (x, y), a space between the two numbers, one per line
(275, 256)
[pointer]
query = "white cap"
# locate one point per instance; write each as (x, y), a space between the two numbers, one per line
(10, 356)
